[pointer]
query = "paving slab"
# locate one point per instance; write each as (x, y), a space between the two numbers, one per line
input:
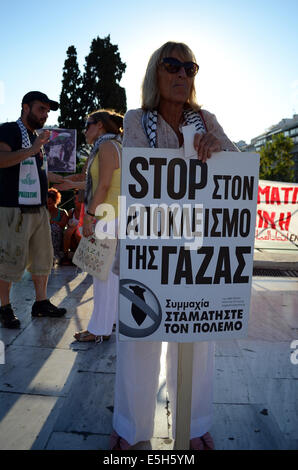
(266, 322)
(162, 423)
(8, 336)
(227, 348)
(234, 383)
(37, 371)
(96, 357)
(76, 440)
(89, 406)
(155, 444)
(282, 397)
(267, 359)
(246, 427)
(22, 419)
(46, 333)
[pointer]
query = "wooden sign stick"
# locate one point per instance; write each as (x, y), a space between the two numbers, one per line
(185, 350)
(184, 393)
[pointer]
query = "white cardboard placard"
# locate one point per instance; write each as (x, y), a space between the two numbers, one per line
(169, 292)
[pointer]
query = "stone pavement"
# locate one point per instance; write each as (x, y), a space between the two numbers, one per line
(56, 393)
(276, 259)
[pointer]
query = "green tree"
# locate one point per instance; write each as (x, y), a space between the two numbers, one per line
(71, 116)
(276, 160)
(103, 72)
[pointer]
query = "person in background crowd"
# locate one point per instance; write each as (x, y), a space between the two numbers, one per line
(72, 236)
(58, 221)
(168, 102)
(25, 235)
(77, 182)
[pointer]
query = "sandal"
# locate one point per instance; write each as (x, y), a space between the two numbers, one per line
(101, 338)
(118, 443)
(85, 336)
(204, 442)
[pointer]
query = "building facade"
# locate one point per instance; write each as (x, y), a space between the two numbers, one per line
(289, 127)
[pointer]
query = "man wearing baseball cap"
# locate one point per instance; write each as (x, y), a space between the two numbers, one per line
(25, 234)
(38, 96)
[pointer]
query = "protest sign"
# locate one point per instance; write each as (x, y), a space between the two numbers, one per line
(187, 241)
(277, 215)
(61, 150)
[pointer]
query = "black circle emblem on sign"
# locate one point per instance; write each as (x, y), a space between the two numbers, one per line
(139, 297)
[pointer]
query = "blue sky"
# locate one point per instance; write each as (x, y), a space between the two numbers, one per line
(247, 51)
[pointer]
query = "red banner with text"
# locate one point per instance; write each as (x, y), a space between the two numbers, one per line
(277, 215)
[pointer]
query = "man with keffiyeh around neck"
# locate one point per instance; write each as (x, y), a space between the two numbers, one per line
(25, 236)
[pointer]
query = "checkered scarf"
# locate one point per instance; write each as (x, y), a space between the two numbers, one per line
(149, 122)
(29, 184)
(93, 153)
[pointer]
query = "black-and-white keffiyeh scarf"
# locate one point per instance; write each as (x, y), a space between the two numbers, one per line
(149, 122)
(29, 184)
(97, 143)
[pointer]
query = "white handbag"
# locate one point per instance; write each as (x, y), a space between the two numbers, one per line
(95, 256)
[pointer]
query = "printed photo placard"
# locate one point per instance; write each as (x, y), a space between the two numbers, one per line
(61, 150)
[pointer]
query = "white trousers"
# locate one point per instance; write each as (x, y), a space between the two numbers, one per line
(105, 305)
(136, 386)
(105, 299)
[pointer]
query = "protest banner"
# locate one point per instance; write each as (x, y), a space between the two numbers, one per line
(61, 150)
(277, 216)
(187, 241)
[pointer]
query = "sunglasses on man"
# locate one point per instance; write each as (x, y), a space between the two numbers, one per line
(173, 65)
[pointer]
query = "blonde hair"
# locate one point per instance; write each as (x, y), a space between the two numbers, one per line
(112, 121)
(150, 90)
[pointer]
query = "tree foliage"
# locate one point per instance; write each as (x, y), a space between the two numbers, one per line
(276, 160)
(98, 87)
(103, 72)
(70, 98)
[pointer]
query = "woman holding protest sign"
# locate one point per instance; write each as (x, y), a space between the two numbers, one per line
(103, 130)
(168, 103)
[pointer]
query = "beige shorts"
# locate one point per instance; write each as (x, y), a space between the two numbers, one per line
(25, 243)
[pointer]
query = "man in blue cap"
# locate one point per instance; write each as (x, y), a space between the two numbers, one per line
(25, 234)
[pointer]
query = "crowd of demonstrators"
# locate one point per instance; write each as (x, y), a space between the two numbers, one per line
(168, 102)
(25, 234)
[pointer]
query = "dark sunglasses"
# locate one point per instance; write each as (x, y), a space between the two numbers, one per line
(173, 65)
(88, 124)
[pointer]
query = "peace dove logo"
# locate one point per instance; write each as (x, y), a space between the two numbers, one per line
(141, 309)
(138, 314)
